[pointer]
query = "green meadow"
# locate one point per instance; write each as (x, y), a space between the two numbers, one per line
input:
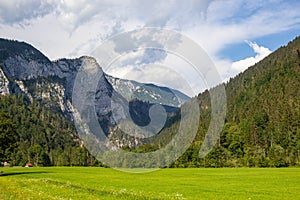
(189, 183)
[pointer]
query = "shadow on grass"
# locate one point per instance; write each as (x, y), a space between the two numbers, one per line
(19, 173)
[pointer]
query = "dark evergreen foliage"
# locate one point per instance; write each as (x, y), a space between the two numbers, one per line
(8, 137)
(262, 126)
(42, 137)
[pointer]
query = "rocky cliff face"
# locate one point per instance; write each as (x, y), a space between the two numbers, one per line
(4, 88)
(147, 92)
(24, 69)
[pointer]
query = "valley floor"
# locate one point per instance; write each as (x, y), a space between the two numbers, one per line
(103, 183)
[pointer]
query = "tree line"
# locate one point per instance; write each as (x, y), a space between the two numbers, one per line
(32, 133)
(262, 124)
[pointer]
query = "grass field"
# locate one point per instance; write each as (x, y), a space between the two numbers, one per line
(102, 183)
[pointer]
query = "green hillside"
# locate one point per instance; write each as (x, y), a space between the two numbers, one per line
(262, 125)
(41, 136)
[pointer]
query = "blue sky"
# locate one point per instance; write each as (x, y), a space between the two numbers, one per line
(242, 50)
(235, 33)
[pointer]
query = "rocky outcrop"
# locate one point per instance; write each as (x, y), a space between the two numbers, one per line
(147, 92)
(24, 69)
(4, 88)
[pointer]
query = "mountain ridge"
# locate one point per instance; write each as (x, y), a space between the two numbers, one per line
(25, 70)
(262, 124)
(33, 64)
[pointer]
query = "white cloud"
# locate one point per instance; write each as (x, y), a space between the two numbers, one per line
(261, 53)
(20, 11)
(158, 74)
(228, 68)
(64, 28)
(173, 72)
(213, 24)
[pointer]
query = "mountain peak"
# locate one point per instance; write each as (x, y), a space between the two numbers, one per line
(13, 48)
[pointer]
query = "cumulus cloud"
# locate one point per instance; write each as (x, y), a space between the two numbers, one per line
(213, 24)
(75, 13)
(158, 74)
(20, 11)
(229, 69)
(261, 53)
(173, 71)
(64, 28)
(151, 13)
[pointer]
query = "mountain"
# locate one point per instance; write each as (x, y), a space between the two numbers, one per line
(21, 62)
(147, 92)
(25, 70)
(262, 124)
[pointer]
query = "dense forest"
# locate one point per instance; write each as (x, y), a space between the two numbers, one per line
(38, 135)
(262, 124)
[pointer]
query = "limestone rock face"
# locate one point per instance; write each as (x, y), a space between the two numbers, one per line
(24, 69)
(4, 88)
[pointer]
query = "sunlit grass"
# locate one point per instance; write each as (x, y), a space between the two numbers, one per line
(103, 183)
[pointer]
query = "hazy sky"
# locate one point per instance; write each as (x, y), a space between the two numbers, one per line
(234, 33)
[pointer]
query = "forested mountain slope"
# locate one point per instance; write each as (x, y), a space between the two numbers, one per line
(29, 79)
(262, 125)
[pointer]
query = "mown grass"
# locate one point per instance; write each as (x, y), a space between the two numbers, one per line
(103, 183)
